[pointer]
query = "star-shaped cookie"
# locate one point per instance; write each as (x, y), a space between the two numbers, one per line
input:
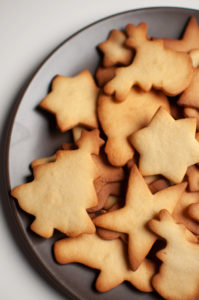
(178, 276)
(114, 50)
(189, 41)
(120, 120)
(167, 146)
(62, 190)
(110, 257)
(141, 206)
(73, 101)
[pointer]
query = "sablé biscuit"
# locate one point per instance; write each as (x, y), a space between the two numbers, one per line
(193, 211)
(111, 188)
(107, 172)
(180, 213)
(114, 50)
(189, 41)
(52, 158)
(158, 185)
(53, 197)
(194, 54)
(72, 189)
(107, 234)
(178, 276)
(167, 146)
(120, 120)
(193, 178)
(152, 66)
(191, 112)
(77, 132)
(140, 206)
(103, 75)
(112, 200)
(190, 95)
(110, 257)
(73, 101)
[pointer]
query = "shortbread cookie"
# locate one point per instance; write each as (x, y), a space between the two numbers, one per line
(153, 66)
(193, 211)
(190, 96)
(190, 112)
(62, 190)
(73, 101)
(107, 234)
(167, 146)
(151, 179)
(112, 200)
(193, 178)
(189, 41)
(77, 132)
(141, 205)
(194, 54)
(110, 257)
(180, 212)
(111, 188)
(52, 158)
(103, 75)
(43, 160)
(114, 50)
(158, 185)
(107, 173)
(120, 120)
(178, 276)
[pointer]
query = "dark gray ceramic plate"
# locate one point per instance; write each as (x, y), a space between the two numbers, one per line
(33, 134)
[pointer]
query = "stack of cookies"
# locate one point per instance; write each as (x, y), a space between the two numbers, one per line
(130, 179)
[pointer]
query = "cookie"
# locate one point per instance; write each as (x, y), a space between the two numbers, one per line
(189, 41)
(178, 276)
(73, 101)
(140, 206)
(167, 146)
(52, 158)
(111, 188)
(194, 54)
(53, 197)
(180, 213)
(193, 211)
(120, 120)
(152, 66)
(43, 160)
(112, 200)
(77, 132)
(114, 50)
(110, 257)
(107, 172)
(158, 185)
(191, 112)
(193, 178)
(109, 234)
(189, 97)
(103, 75)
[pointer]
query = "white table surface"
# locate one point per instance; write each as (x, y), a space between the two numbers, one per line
(29, 31)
